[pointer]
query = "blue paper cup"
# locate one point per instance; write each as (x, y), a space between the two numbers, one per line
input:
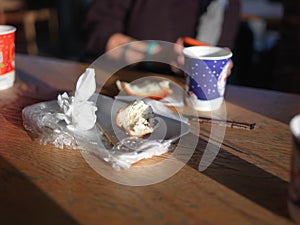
(206, 68)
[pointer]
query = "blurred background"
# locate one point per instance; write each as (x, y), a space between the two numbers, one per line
(265, 53)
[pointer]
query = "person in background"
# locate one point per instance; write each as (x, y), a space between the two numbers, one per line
(71, 14)
(110, 24)
(286, 67)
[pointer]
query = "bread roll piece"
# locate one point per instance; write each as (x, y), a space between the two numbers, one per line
(149, 89)
(137, 119)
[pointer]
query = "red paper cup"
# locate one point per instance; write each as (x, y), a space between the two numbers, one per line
(7, 56)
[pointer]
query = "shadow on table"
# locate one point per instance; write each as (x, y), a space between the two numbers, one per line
(36, 88)
(27, 92)
(21, 201)
(24, 203)
(246, 179)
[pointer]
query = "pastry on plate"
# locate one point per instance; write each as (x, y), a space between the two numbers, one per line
(137, 119)
(148, 89)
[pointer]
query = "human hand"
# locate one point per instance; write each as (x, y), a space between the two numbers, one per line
(178, 48)
(230, 65)
(116, 40)
(126, 48)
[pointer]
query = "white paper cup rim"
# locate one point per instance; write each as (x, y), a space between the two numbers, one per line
(207, 52)
(295, 126)
(6, 29)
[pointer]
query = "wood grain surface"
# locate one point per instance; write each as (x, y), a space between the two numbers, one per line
(246, 183)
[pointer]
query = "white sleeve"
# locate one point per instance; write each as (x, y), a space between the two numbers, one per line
(210, 25)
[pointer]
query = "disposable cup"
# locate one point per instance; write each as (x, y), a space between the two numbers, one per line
(206, 72)
(7, 56)
(294, 185)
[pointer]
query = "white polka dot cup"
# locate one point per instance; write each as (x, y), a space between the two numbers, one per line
(206, 71)
(7, 56)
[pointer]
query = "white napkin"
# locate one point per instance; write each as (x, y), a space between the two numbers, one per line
(78, 111)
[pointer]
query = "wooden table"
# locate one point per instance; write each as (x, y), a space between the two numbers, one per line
(245, 184)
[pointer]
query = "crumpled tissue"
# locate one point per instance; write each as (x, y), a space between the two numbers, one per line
(77, 111)
(60, 121)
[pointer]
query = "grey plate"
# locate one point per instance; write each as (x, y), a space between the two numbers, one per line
(168, 128)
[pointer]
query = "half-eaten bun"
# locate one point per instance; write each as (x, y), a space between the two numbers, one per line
(137, 119)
